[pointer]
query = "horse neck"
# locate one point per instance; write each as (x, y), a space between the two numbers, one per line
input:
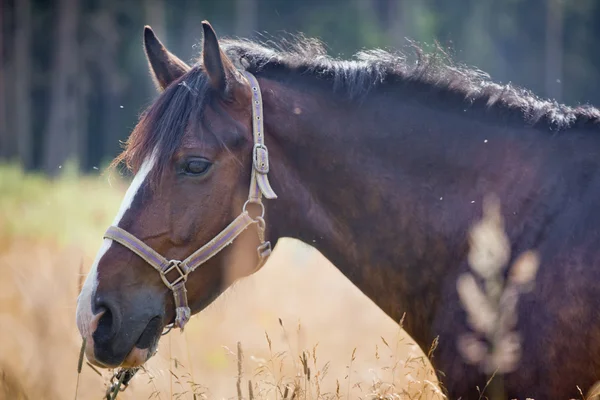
(384, 191)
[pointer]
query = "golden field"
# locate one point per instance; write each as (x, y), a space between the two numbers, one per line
(49, 233)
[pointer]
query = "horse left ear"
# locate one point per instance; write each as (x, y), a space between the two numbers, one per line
(223, 76)
(165, 66)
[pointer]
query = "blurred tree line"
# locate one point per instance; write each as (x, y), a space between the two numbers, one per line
(73, 77)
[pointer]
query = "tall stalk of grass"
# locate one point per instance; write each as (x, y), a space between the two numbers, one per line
(490, 300)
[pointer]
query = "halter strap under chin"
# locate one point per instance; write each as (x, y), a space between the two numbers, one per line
(174, 273)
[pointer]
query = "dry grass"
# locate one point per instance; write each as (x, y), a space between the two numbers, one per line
(490, 296)
(304, 331)
(491, 307)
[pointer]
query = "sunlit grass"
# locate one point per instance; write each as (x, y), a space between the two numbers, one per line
(71, 209)
(50, 231)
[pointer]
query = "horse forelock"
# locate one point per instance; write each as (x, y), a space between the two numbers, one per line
(164, 123)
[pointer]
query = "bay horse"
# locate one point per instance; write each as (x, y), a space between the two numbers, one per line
(379, 163)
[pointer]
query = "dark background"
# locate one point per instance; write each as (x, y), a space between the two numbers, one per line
(73, 76)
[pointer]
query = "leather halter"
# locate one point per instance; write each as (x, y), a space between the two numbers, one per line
(259, 186)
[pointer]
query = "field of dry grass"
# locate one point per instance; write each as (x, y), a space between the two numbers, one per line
(49, 233)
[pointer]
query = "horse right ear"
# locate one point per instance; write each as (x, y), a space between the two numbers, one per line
(165, 66)
(222, 74)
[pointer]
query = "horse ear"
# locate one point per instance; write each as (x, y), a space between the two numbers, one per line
(165, 66)
(223, 76)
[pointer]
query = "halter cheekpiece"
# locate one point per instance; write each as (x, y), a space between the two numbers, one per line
(180, 270)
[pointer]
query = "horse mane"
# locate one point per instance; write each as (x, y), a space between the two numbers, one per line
(433, 75)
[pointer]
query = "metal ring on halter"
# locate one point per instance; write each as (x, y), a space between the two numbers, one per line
(260, 221)
(262, 206)
(167, 329)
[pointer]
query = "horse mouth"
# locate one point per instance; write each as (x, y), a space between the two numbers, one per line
(136, 358)
(150, 335)
(145, 346)
(141, 351)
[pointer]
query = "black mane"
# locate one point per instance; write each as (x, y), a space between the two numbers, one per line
(436, 72)
(433, 77)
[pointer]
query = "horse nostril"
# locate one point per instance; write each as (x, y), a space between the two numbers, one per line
(108, 323)
(104, 329)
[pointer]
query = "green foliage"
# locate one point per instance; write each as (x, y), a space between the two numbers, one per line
(72, 209)
(508, 39)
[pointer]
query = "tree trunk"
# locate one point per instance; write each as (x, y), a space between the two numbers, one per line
(62, 141)
(155, 16)
(3, 130)
(554, 49)
(154, 11)
(397, 22)
(246, 18)
(477, 40)
(192, 31)
(7, 139)
(111, 90)
(22, 81)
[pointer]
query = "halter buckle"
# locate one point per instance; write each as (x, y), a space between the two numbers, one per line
(173, 265)
(264, 250)
(260, 158)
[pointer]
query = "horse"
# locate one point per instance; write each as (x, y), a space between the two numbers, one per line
(379, 163)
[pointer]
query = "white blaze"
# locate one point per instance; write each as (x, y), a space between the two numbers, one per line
(84, 302)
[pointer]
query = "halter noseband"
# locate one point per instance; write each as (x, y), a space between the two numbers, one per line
(259, 186)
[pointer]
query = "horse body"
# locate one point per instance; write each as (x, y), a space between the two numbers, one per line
(387, 190)
(383, 168)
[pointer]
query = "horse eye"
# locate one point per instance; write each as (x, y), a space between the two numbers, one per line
(196, 167)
